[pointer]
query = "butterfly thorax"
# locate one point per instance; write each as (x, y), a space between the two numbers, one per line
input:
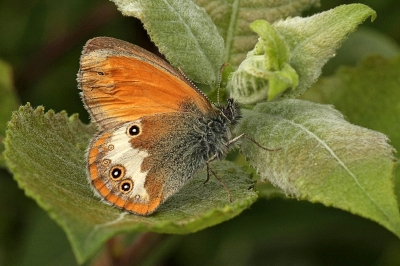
(215, 130)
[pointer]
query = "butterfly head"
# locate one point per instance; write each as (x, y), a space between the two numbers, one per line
(231, 111)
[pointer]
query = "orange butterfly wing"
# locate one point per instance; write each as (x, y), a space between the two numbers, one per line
(122, 82)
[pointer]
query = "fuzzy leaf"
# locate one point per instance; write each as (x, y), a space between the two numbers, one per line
(233, 19)
(314, 40)
(46, 153)
(323, 158)
(8, 103)
(183, 32)
(374, 85)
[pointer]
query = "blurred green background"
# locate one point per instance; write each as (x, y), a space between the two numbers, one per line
(42, 40)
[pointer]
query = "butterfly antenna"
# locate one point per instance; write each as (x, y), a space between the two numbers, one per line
(244, 135)
(191, 83)
(220, 80)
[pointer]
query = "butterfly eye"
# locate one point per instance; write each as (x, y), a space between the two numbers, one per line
(117, 172)
(133, 130)
(126, 186)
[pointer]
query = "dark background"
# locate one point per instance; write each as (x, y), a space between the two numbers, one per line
(42, 40)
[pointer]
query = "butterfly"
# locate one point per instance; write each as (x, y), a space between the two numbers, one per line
(156, 129)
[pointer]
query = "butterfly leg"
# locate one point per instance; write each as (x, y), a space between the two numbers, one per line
(219, 180)
(212, 158)
(208, 174)
(208, 167)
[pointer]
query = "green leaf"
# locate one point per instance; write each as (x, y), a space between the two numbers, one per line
(265, 72)
(8, 103)
(46, 153)
(183, 32)
(233, 19)
(323, 158)
(314, 40)
(367, 95)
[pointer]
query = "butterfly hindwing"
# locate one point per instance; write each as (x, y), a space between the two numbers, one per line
(135, 169)
(115, 170)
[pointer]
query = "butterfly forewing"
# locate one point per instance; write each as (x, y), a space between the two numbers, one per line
(122, 82)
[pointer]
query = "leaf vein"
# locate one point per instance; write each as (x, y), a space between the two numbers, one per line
(342, 164)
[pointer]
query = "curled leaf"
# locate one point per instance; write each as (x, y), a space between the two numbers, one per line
(265, 73)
